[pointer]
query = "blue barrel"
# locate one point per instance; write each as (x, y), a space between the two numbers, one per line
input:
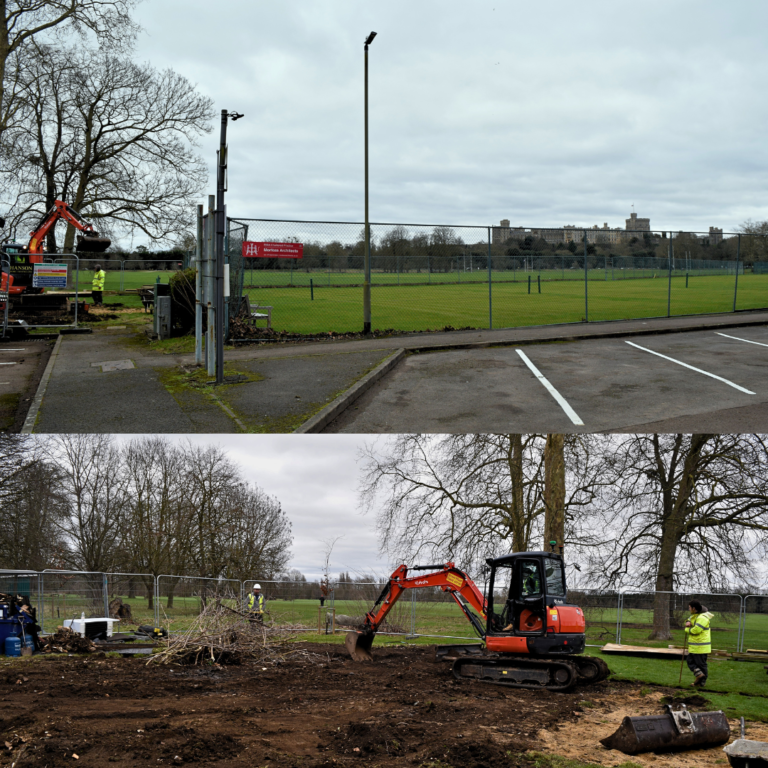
(13, 646)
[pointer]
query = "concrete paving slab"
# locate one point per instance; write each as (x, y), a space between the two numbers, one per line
(114, 365)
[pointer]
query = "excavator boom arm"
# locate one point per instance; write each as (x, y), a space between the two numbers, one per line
(61, 210)
(449, 578)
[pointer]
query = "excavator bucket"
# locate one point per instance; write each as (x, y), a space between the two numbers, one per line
(359, 645)
(92, 244)
(674, 731)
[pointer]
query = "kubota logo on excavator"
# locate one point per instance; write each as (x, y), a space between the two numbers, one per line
(421, 582)
(457, 581)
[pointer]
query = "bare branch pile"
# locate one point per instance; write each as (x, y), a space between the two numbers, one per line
(223, 635)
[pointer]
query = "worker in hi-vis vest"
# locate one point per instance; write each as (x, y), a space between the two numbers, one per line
(99, 276)
(255, 602)
(699, 641)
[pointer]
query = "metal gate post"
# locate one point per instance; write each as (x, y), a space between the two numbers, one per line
(40, 605)
(105, 590)
(157, 601)
(413, 613)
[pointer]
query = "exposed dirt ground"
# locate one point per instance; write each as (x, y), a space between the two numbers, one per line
(403, 710)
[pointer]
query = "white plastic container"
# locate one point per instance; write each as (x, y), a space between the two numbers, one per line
(91, 627)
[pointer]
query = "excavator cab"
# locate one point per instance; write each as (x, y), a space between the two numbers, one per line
(522, 587)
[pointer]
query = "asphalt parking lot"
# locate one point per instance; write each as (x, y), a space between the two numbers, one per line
(21, 366)
(704, 380)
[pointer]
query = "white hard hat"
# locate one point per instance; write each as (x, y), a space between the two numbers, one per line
(257, 586)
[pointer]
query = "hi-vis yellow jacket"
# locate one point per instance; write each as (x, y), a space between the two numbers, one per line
(699, 637)
(98, 280)
(256, 603)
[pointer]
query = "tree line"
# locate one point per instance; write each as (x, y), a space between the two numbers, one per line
(148, 506)
(653, 512)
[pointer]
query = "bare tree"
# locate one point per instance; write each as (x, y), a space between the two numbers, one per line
(25, 22)
(256, 534)
(464, 497)
(116, 139)
(94, 487)
(32, 507)
(683, 509)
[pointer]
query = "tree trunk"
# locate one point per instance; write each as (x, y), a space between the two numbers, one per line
(554, 491)
(676, 509)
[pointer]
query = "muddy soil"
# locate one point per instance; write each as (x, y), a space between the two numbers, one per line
(403, 710)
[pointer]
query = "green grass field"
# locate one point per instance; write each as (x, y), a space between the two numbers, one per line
(414, 305)
(436, 306)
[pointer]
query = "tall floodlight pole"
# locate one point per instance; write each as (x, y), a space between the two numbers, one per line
(367, 262)
(221, 223)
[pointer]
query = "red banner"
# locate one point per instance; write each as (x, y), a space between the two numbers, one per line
(253, 250)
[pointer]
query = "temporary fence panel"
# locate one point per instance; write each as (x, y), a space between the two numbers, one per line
(601, 614)
(69, 594)
(658, 618)
(432, 277)
(291, 603)
(135, 590)
(755, 623)
(179, 599)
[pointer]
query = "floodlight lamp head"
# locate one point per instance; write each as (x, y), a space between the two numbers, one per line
(369, 39)
(235, 116)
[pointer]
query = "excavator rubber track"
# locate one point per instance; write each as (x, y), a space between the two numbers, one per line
(519, 672)
(531, 672)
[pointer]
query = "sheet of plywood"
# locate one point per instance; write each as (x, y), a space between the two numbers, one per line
(641, 650)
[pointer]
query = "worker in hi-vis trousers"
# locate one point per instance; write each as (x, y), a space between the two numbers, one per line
(699, 641)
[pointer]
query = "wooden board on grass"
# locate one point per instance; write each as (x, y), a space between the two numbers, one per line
(641, 650)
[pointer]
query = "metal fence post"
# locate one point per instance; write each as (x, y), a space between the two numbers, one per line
(490, 293)
(199, 289)
(736, 283)
(586, 281)
(669, 271)
(105, 583)
(157, 601)
(619, 610)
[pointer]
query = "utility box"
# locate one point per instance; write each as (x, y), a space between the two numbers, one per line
(163, 317)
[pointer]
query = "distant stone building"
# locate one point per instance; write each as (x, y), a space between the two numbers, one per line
(637, 225)
(715, 235)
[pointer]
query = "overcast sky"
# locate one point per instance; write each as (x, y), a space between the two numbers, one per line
(544, 113)
(315, 478)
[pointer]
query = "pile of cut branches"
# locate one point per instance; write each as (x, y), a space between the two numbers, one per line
(64, 640)
(223, 635)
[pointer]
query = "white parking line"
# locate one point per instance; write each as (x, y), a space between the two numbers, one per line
(7, 363)
(698, 370)
(13, 350)
(749, 341)
(572, 415)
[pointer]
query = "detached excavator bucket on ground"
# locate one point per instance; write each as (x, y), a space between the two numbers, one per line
(92, 243)
(359, 645)
(671, 732)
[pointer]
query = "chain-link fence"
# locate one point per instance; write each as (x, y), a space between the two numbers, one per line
(432, 277)
(644, 616)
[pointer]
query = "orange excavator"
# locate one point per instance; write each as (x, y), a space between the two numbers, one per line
(532, 637)
(22, 259)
